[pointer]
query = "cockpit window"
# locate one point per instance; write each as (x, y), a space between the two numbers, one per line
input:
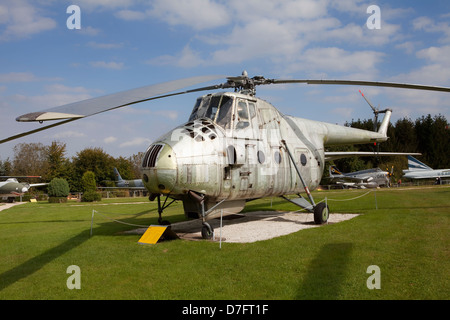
(194, 111)
(224, 116)
(216, 108)
(242, 112)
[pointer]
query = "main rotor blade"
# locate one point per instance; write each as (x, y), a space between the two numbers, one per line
(366, 83)
(23, 134)
(93, 106)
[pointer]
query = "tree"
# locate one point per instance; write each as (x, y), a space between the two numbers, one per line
(88, 181)
(58, 190)
(30, 159)
(89, 188)
(95, 160)
(136, 161)
(57, 162)
(5, 167)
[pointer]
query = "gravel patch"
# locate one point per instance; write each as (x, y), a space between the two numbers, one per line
(252, 226)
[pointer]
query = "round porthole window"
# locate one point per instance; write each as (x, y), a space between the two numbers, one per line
(145, 178)
(277, 157)
(261, 157)
(303, 159)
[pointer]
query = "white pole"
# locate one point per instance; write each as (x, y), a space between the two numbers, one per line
(221, 214)
(92, 222)
(376, 203)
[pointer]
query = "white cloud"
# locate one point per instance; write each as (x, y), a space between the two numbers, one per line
(91, 5)
(69, 134)
(60, 88)
(438, 55)
(17, 77)
(197, 14)
(110, 140)
(132, 15)
(107, 65)
(260, 38)
(22, 20)
(334, 59)
(343, 112)
(137, 141)
(187, 58)
(98, 45)
(172, 115)
(429, 25)
(89, 31)
(283, 33)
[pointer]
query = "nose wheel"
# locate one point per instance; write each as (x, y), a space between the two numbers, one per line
(207, 231)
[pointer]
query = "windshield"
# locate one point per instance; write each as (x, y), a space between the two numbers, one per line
(217, 108)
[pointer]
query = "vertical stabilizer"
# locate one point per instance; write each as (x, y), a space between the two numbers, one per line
(117, 175)
(385, 123)
(414, 164)
(334, 171)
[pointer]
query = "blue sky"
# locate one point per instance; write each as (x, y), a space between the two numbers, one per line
(132, 43)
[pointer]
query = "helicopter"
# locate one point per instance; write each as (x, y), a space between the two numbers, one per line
(234, 148)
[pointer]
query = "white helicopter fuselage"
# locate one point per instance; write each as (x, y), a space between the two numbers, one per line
(231, 149)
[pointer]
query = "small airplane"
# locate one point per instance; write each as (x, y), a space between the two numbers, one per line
(135, 184)
(234, 148)
(419, 170)
(370, 178)
(128, 184)
(12, 188)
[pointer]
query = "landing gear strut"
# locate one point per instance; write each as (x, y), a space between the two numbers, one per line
(320, 210)
(161, 209)
(207, 229)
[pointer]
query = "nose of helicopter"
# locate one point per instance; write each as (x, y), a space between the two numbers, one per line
(159, 168)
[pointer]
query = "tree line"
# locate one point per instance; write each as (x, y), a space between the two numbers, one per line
(51, 161)
(427, 135)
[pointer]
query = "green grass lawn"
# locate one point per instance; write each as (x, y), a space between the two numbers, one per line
(407, 237)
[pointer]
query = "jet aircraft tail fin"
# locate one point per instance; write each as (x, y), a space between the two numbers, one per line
(334, 171)
(414, 164)
(117, 174)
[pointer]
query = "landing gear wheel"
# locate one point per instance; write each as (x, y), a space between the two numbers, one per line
(321, 213)
(163, 222)
(207, 231)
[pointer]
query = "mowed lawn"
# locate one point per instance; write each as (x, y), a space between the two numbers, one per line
(402, 231)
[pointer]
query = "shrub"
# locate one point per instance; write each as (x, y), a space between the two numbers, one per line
(58, 190)
(89, 187)
(90, 196)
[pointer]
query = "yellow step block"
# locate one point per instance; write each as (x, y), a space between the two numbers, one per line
(154, 233)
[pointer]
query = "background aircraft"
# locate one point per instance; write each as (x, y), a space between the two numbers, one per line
(370, 178)
(12, 188)
(128, 184)
(419, 170)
